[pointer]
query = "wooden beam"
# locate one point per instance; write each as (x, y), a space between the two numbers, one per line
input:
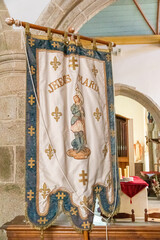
(125, 40)
(158, 6)
(85, 235)
(140, 10)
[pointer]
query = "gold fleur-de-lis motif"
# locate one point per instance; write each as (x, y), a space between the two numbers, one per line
(31, 100)
(30, 195)
(94, 70)
(113, 133)
(45, 191)
(111, 107)
(85, 201)
(32, 70)
(90, 53)
(105, 150)
(108, 57)
(98, 189)
(55, 44)
(97, 114)
(71, 49)
(42, 220)
(73, 211)
(50, 151)
(56, 114)
(84, 177)
(73, 62)
(31, 162)
(110, 82)
(31, 42)
(31, 131)
(55, 63)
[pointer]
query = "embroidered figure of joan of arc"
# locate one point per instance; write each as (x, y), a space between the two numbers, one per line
(79, 151)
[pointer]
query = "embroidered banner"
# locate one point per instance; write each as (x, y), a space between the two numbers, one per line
(70, 133)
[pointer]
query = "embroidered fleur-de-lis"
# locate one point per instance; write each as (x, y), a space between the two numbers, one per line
(55, 63)
(50, 151)
(97, 114)
(95, 70)
(45, 191)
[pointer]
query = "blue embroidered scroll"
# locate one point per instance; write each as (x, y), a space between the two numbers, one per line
(70, 133)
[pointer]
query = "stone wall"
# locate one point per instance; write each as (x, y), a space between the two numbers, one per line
(12, 122)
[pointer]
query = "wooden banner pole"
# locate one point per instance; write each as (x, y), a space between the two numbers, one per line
(85, 235)
(11, 21)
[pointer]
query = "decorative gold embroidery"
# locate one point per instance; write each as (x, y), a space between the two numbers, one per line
(57, 114)
(31, 100)
(31, 163)
(55, 63)
(73, 61)
(31, 131)
(85, 201)
(71, 48)
(50, 151)
(113, 133)
(111, 208)
(60, 196)
(105, 150)
(54, 44)
(111, 107)
(85, 225)
(42, 220)
(109, 181)
(83, 175)
(32, 70)
(90, 53)
(98, 189)
(110, 82)
(94, 70)
(31, 42)
(73, 211)
(45, 191)
(30, 193)
(108, 57)
(97, 114)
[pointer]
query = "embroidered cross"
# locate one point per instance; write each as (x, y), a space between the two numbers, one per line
(32, 70)
(50, 151)
(31, 42)
(98, 189)
(54, 44)
(30, 193)
(109, 181)
(90, 53)
(94, 70)
(83, 175)
(55, 63)
(105, 150)
(73, 211)
(86, 225)
(31, 163)
(113, 133)
(57, 114)
(71, 48)
(31, 100)
(60, 196)
(110, 82)
(44, 190)
(97, 114)
(31, 131)
(42, 220)
(73, 61)
(111, 107)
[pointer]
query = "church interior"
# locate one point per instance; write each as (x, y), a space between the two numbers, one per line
(134, 26)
